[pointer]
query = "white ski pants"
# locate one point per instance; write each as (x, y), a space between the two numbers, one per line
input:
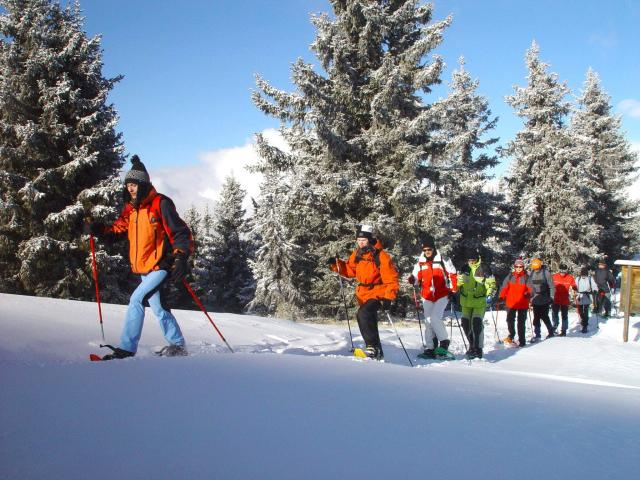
(434, 325)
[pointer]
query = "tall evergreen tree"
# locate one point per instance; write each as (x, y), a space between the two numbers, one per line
(203, 258)
(230, 267)
(551, 214)
(475, 217)
(610, 166)
(59, 152)
(360, 134)
(277, 281)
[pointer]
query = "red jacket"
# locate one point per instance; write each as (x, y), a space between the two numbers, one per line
(515, 291)
(563, 282)
(437, 277)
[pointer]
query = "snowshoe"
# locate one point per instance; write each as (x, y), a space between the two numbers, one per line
(172, 351)
(360, 353)
(443, 354)
(428, 354)
(117, 354)
(535, 339)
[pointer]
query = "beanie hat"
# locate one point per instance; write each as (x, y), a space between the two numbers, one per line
(428, 242)
(472, 254)
(365, 231)
(518, 263)
(536, 264)
(584, 271)
(562, 267)
(138, 173)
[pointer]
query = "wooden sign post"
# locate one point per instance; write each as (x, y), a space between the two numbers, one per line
(630, 292)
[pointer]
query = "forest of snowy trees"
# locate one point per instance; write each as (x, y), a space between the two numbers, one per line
(368, 142)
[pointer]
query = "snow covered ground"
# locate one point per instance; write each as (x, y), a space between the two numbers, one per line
(290, 403)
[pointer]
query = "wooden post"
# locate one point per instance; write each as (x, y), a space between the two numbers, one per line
(627, 310)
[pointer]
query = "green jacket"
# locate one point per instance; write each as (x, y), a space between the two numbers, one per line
(475, 285)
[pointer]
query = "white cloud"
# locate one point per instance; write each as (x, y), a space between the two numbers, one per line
(604, 40)
(200, 183)
(630, 107)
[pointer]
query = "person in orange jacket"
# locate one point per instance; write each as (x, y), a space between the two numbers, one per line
(159, 245)
(516, 292)
(437, 279)
(377, 287)
(564, 283)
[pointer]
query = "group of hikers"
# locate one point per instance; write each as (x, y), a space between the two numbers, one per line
(160, 243)
(438, 282)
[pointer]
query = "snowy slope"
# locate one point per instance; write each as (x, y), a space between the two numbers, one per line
(290, 403)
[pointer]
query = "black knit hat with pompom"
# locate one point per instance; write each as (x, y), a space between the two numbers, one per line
(138, 173)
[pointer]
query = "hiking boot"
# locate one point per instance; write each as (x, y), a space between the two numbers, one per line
(444, 344)
(551, 335)
(173, 351)
(474, 353)
(535, 339)
(508, 340)
(584, 329)
(374, 352)
(563, 333)
(118, 354)
(428, 353)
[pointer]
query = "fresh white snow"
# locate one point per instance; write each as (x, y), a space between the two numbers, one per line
(291, 403)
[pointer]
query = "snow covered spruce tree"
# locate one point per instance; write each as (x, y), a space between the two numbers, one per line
(59, 152)
(552, 214)
(277, 280)
(610, 168)
(233, 283)
(202, 280)
(475, 216)
(360, 134)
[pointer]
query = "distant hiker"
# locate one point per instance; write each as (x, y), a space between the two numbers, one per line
(476, 285)
(606, 282)
(159, 245)
(516, 292)
(564, 283)
(436, 279)
(377, 279)
(542, 294)
(587, 290)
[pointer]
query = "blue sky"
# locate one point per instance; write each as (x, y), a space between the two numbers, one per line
(189, 68)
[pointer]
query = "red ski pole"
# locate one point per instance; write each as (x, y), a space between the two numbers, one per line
(94, 264)
(204, 310)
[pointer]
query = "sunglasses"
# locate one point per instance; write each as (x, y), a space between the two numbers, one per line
(518, 267)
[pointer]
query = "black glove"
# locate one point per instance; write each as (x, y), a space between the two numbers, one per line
(180, 267)
(93, 228)
(385, 303)
(332, 260)
(411, 279)
(452, 296)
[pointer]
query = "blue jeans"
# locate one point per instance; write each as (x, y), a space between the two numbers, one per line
(148, 289)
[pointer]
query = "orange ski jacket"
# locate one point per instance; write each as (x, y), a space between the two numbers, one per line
(377, 278)
(155, 231)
